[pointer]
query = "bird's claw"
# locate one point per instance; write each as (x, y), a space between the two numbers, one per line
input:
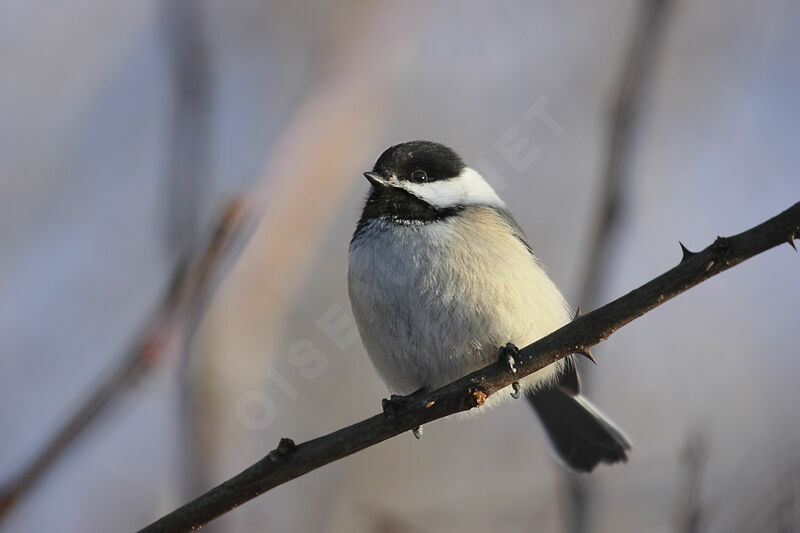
(506, 355)
(392, 404)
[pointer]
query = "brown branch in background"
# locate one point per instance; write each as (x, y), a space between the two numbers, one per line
(289, 461)
(634, 81)
(165, 330)
(187, 188)
(778, 507)
(171, 324)
(190, 126)
(691, 513)
(631, 88)
(383, 520)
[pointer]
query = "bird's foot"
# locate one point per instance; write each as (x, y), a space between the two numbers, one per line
(393, 404)
(396, 403)
(506, 356)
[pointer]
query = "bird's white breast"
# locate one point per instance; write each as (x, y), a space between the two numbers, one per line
(434, 301)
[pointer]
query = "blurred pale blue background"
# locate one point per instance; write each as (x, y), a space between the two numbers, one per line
(299, 100)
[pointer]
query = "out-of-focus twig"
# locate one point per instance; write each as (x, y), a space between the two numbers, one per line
(691, 513)
(187, 182)
(190, 128)
(289, 461)
(778, 508)
(383, 520)
(631, 88)
(795, 496)
(165, 331)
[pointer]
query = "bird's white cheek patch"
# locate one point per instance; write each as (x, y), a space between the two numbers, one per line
(468, 188)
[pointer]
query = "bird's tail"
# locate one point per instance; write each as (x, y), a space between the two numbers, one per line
(581, 436)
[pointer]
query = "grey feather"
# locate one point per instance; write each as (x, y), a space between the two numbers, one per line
(580, 435)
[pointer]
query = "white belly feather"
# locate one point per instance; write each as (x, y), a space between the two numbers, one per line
(434, 302)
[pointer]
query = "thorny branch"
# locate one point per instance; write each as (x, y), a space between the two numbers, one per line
(289, 461)
(182, 302)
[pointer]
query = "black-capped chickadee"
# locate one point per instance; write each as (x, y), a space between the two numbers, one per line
(441, 275)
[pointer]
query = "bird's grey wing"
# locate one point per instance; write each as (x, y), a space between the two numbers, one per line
(517, 231)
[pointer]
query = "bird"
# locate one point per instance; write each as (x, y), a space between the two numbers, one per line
(442, 281)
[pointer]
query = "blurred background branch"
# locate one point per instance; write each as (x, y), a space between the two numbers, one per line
(777, 507)
(189, 146)
(635, 79)
(170, 327)
(162, 338)
(692, 515)
(187, 183)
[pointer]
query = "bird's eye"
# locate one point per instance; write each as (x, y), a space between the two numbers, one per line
(419, 176)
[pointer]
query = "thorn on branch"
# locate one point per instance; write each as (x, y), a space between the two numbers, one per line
(686, 252)
(791, 239)
(577, 313)
(285, 447)
(584, 351)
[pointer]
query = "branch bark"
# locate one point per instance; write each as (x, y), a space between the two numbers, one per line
(289, 461)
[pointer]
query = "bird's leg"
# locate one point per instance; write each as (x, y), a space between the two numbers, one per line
(506, 357)
(396, 403)
(391, 405)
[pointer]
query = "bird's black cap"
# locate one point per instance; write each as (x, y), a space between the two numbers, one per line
(437, 161)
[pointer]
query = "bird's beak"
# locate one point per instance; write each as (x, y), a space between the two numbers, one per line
(375, 179)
